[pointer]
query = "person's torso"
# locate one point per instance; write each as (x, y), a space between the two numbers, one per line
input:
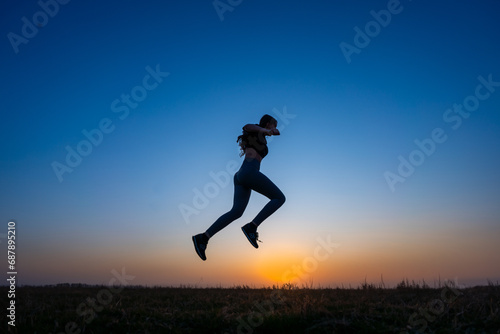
(257, 141)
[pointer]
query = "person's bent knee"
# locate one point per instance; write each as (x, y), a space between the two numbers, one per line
(281, 199)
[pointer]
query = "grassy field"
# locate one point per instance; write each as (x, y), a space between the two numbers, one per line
(286, 309)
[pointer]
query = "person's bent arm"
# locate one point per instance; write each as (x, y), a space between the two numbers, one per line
(256, 128)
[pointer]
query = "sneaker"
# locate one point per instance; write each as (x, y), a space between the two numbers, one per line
(250, 231)
(200, 242)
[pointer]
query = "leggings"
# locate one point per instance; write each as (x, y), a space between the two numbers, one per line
(249, 178)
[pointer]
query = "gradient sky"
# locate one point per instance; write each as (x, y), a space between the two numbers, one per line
(346, 123)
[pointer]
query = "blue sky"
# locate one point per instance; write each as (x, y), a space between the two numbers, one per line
(345, 126)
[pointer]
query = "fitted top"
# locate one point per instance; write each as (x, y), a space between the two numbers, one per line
(255, 140)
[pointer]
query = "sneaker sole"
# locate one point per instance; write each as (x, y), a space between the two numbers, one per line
(197, 249)
(250, 240)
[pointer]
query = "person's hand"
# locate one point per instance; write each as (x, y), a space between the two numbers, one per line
(275, 132)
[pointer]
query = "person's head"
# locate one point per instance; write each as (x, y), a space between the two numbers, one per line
(268, 122)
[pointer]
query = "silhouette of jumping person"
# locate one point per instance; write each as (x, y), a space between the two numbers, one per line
(253, 145)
